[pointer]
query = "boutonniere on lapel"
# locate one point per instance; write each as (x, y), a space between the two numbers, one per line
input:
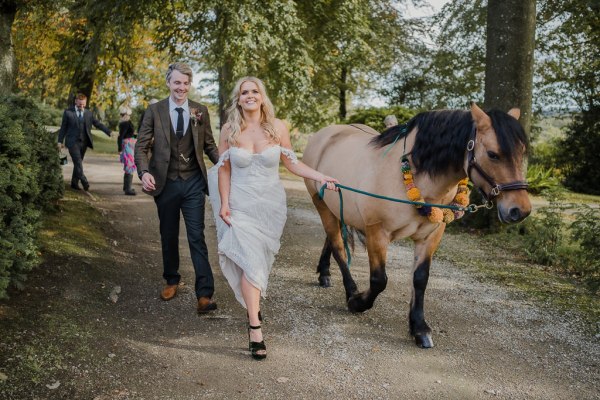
(195, 115)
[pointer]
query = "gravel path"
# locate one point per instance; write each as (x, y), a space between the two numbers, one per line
(489, 342)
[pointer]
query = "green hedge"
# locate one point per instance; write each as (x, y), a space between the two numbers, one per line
(30, 183)
(51, 116)
(567, 237)
(579, 156)
(373, 117)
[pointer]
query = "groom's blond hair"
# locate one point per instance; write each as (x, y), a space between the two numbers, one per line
(180, 67)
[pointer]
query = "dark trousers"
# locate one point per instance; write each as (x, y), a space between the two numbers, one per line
(77, 152)
(187, 196)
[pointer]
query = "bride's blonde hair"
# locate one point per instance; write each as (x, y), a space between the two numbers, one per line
(235, 116)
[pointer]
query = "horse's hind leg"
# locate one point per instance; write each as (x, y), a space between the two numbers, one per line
(336, 245)
(324, 264)
(423, 252)
(377, 241)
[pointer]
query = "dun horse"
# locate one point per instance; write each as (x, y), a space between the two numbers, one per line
(442, 148)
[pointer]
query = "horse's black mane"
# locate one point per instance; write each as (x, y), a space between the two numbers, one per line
(442, 137)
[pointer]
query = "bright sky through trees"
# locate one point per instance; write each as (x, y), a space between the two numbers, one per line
(436, 5)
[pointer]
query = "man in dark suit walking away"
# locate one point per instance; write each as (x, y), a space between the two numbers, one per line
(174, 136)
(76, 131)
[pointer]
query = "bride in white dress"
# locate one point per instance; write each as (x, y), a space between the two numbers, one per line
(248, 199)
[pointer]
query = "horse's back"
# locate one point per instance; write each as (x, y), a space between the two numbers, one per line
(334, 141)
(342, 151)
(346, 153)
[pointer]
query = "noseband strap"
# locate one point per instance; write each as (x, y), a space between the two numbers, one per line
(496, 188)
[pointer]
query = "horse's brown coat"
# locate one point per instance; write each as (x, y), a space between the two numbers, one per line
(344, 152)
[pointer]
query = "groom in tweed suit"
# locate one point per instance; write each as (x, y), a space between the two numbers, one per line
(174, 136)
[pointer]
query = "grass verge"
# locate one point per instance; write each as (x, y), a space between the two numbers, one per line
(47, 331)
(104, 144)
(499, 258)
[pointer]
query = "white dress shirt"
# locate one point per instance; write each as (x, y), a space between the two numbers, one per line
(174, 114)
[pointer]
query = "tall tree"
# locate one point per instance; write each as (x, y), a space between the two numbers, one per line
(312, 55)
(510, 56)
(8, 9)
(262, 38)
(570, 71)
(36, 35)
(93, 24)
(508, 69)
(352, 42)
(233, 38)
(447, 70)
(65, 47)
(569, 53)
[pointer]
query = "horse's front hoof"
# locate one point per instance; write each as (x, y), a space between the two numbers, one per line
(357, 303)
(325, 281)
(424, 340)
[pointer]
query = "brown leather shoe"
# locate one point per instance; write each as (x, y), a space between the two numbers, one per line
(168, 292)
(205, 304)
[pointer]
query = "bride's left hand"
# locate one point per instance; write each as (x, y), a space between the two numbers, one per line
(330, 183)
(225, 214)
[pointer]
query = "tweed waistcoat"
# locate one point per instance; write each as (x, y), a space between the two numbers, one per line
(183, 163)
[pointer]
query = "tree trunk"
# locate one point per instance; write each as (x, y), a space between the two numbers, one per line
(84, 76)
(225, 70)
(225, 74)
(509, 56)
(508, 73)
(8, 67)
(343, 90)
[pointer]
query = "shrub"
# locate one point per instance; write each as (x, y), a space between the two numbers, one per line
(546, 154)
(373, 117)
(50, 115)
(42, 147)
(544, 241)
(541, 179)
(572, 248)
(580, 153)
(30, 182)
(585, 231)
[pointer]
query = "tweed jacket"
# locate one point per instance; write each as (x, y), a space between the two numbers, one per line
(153, 147)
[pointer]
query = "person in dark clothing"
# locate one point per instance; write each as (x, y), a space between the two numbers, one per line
(126, 146)
(76, 131)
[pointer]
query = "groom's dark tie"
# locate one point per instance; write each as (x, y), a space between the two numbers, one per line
(179, 130)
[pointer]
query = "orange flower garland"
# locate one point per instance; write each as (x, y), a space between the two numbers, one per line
(435, 214)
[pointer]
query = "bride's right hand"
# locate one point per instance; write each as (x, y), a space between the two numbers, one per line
(225, 214)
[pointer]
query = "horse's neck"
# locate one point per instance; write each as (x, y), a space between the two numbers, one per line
(440, 189)
(437, 189)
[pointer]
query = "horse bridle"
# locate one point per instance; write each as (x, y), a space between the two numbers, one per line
(497, 188)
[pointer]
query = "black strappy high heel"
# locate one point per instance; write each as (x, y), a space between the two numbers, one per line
(255, 347)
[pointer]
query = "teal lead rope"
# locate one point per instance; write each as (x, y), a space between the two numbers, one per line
(471, 208)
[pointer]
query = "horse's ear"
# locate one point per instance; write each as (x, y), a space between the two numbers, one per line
(515, 113)
(482, 120)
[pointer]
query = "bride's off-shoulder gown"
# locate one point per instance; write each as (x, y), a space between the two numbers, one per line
(258, 213)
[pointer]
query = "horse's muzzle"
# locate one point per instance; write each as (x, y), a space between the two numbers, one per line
(513, 214)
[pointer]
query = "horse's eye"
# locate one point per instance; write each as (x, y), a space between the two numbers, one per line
(493, 155)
